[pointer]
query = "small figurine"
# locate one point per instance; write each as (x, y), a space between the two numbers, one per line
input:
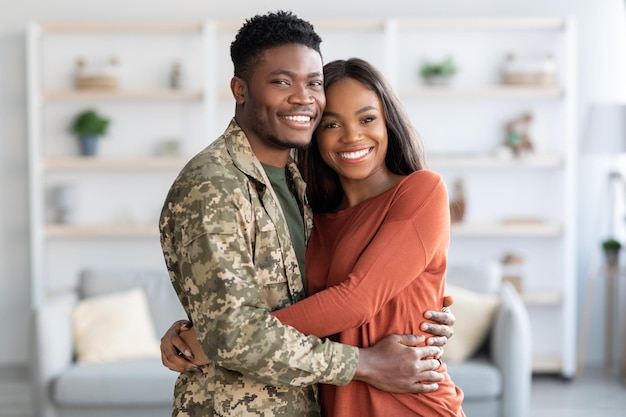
(517, 137)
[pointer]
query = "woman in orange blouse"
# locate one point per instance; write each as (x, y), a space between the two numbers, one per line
(378, 251)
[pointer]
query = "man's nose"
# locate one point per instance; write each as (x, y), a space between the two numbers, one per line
(302, 95)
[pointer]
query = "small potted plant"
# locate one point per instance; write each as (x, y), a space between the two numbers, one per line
(438, 73)
(611, 249)
(89, 126)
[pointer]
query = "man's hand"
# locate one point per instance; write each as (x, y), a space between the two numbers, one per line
(175, 354)
(397, 364)
(442, 328)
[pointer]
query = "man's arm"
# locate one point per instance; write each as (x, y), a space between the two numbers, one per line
(395, 364)
(179, 341)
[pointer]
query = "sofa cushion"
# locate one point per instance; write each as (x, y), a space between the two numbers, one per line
(138, 382)
(474, 313)
(478, 378)
(114, 327)
(164, 305)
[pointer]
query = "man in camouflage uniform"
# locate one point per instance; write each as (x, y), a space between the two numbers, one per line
(233, 232)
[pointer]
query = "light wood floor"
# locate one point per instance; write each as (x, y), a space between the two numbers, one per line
(15, 396)
(598, 393)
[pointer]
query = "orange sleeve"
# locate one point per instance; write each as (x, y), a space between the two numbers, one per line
(416, 229)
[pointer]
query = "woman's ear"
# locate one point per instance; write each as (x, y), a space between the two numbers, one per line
(239, 89)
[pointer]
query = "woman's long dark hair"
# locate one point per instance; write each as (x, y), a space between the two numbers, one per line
(404, 151)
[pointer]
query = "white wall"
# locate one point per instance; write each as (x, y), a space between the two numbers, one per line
(597, 20)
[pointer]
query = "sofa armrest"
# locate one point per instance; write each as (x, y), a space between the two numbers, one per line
(512, 351)
(53, 346)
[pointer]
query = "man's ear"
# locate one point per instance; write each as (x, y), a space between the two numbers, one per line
(239, 88)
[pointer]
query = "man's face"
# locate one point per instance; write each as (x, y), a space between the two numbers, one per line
(282, 101)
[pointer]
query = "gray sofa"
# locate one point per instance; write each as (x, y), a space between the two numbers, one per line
(131, 388)
(496, 382)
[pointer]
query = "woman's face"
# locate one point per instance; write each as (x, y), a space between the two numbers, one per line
(352, 136)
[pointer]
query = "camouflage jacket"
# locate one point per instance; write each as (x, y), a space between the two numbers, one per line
(231, 262)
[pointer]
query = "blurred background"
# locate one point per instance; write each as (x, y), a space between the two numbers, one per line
(521, 106)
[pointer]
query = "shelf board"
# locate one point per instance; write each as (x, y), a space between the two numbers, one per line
(484, 23)
(349, 24)
(98, 231)
(98, 163)
(497, 91)
(489, 161)
(542, 298)
(531, 229)
(129, 26)
(320, 24)
(138, 95)
(488, 92)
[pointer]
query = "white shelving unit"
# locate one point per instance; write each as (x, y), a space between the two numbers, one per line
(526, 206)
(119, 190)
(523, 206)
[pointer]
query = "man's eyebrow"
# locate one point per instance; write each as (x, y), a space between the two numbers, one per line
(316, 74)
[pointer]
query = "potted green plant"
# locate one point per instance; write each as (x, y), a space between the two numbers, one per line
(438, 73)
(89, 126)
(611, 249)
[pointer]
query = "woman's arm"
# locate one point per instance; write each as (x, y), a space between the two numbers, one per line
(417, 231)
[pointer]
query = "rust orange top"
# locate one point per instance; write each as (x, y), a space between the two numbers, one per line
(372, 270)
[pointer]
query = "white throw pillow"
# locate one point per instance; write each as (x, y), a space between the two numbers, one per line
(474, 314)
(114, 327)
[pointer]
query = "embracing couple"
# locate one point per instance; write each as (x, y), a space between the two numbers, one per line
(308, 301)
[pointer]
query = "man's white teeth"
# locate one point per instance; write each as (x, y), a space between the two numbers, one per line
(354, 155)
(298, 118)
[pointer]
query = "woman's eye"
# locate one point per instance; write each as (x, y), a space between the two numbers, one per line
(368, 119)
(329, 125)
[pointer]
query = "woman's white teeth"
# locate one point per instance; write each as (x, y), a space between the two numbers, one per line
(354, 155)
(298, 118)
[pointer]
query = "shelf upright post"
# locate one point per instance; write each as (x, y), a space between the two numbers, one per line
(570, 149)
(390, 32)
(36, 195)
(210, 86)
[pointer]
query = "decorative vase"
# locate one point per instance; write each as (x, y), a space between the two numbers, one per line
(65, 202)
(88, 145)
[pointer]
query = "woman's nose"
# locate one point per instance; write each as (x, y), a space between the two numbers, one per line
(352, 134)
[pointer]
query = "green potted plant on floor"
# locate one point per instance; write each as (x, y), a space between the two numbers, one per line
(89, 126)
(611, 249)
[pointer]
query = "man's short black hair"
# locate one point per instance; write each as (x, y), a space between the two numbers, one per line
(267, 31)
